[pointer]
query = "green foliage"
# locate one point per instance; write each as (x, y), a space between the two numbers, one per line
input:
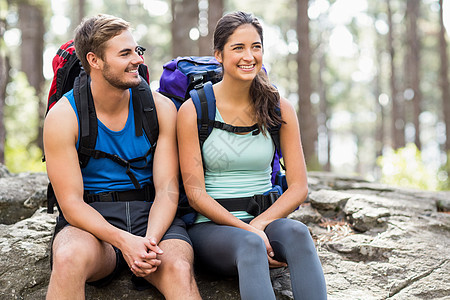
(20, 158)
(21, 119)
(444, 175)
(405, 168)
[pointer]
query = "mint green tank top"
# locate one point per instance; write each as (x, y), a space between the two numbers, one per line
(236, 165)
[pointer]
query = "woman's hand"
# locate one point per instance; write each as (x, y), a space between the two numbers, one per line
(272, 262)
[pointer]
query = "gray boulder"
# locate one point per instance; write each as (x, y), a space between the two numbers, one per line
(21, 195)
(374, 242)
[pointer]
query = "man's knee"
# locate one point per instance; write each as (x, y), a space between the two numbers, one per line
(73, 251)
(177, 258)
(180, 267)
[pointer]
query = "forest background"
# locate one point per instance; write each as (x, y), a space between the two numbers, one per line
(369, 78)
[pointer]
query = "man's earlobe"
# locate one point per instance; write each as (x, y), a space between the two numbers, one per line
(93, 60)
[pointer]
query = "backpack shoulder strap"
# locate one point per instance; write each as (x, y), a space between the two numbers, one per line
(86, 114)
(205, 106)
(145, 116)
(143, 71)
(275, 132)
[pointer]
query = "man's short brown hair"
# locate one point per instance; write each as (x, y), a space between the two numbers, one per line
(92, 34)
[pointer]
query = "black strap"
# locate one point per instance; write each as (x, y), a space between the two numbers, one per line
(64, 53)
(204, 121)
(274, 132)
(127, 164)
(86, 113)
(65, 76)
(51, 199)
(233, 129)
(195, 81)
(151, 127)
(254, 205)
(147, 193)
(172, 96)
(143, 71)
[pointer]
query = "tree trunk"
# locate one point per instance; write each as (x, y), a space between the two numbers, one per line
(444, 83)
(307, 120)
(398, 122)
(4, 79)
(413, 63)
(81, 10)
(31, 23)
(324, 114)
(184, 18)
(381, 119)
(215, 12)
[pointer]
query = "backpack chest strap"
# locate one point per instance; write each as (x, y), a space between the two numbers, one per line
(128, 164)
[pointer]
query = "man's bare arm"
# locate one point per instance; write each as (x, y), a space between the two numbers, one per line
(165, 170)
(60, 137)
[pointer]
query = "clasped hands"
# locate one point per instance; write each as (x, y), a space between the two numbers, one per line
(142, 256)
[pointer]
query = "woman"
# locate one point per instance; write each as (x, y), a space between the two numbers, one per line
(238, 165)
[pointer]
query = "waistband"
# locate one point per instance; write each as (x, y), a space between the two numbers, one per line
(254, 205)
(147, 193)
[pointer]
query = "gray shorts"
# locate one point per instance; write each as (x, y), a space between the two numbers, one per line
(129, 216)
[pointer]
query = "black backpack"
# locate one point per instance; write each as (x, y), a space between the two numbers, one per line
(68, 74)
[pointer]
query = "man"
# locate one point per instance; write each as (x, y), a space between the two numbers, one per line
(87, 247)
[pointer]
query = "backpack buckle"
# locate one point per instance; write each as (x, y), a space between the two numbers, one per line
(197, 80)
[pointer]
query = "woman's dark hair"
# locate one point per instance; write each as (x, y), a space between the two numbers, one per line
(264, 95)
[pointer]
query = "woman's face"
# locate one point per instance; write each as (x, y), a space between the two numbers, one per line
(242, 54)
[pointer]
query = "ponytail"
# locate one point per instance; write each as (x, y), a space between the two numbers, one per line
(266, 100)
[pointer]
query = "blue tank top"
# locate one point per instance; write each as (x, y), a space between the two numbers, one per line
(104, 175)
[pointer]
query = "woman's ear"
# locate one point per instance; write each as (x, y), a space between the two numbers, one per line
(218, 56)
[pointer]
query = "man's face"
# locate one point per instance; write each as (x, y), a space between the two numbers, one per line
(121, 62)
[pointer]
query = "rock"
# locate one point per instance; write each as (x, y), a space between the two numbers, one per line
(443, 205)
(25, 268)
(24, 252)
(364, 216)
(4, 171)
(306, 214)
(21, 195)
(328, 202)
(374, 242)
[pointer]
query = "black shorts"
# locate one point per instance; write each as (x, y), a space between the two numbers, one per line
(129, 216)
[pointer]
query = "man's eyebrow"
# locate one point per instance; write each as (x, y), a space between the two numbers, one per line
(125, 50)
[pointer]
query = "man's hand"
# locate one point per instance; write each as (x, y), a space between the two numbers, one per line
(141, 255)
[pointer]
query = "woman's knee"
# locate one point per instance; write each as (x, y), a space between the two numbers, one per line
(288, 228)
(251, 247)
(299, 230)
